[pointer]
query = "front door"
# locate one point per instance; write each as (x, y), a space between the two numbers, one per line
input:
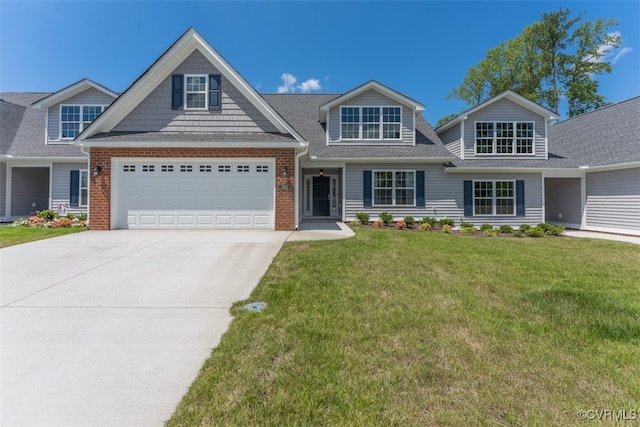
(321, 195)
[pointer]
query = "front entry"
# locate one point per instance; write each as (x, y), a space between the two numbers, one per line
(321, 196)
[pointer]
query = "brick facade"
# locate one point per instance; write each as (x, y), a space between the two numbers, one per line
(100, 188)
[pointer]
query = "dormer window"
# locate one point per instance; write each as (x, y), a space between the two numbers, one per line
(371, 123)
(195, 92)
(74, 118)
(504, 138)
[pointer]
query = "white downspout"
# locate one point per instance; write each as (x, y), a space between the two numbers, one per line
(86, 153)
(296, 195)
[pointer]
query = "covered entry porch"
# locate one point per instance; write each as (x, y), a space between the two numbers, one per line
(321, 193)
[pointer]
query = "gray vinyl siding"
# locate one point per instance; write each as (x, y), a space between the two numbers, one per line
(90, 96)
(3, 190)
(451, 140)
(444, 195)
(505, 110)
(29, 187)
(237, 113)
(613, 200)
(60, 186)
(375, 99)
(563, 201)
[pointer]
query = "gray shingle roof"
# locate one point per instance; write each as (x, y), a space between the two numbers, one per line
(191, 137)
(607, 136)
(23, 128)
(302, 111)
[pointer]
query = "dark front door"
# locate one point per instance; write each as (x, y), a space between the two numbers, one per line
(321, 205)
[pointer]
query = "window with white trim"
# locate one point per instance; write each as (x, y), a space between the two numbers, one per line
(394, 188)
(371, 123)
(74, 118)
(195, 92)
(504, 138)
(84, 188)
(494, 198)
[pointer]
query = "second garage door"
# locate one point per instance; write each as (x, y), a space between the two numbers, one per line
(194, 193)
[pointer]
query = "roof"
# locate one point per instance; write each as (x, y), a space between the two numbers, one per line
(189, 42)
(71, 90)
(603, 137)
(302, 112)
(22, 129)
(512, 96)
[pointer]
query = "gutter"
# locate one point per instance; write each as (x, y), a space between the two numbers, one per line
(296, 195)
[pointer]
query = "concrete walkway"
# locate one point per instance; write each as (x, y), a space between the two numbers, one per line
(604, 236)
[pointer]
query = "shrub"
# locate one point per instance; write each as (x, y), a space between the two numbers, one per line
(555, 230)
(524, 227)
(518, 233)
(377, 223)
(534, 232)
(410, 221)
(356, 223)
(82, 216)
(466, 225)
(544, 227)
(504, 228)
(467, 231)
(490, 232)
(425, 226)
(428, 220)
(47, 214)
(447, 221)
(485, 227)
(401, 224)
(363, 217)
(386, 217)
(446, 228)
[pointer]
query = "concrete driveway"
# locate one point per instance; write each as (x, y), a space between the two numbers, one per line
(110, 328)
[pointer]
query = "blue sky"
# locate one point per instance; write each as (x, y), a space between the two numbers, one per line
(419, 48)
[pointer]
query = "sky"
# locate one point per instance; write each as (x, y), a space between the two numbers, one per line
(421, 49)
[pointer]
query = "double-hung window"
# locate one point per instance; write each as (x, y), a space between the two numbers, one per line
(494, 198)
(504, 138)
(195, 92)
(74, 118)
(394, 188)
(370, 123)
(79, 188)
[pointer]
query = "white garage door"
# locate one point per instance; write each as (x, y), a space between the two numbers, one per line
(194, 193)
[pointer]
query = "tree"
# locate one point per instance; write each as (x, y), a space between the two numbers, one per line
(446, 119)
(551, 60)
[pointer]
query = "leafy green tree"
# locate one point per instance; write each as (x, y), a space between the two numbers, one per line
(554, 58)
(445, 119)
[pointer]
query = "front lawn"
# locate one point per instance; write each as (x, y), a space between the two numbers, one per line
(10, 236)
(414, 329)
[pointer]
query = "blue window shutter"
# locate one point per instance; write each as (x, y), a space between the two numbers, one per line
(214, 91)
(520, 210)
(366, 188)
(74, 188)
(468, 198)
(420, 188)
(177, 91)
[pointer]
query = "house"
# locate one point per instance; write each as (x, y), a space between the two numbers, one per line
(192, 144)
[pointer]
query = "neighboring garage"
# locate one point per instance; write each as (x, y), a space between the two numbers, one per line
(214, 192)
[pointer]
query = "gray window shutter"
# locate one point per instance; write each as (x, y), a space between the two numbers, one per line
(420, 188)
(520, 209)
(74, 188)
(468, 198)
(177, 91)
(214, 92)
(366, 189)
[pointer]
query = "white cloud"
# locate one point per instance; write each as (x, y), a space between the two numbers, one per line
(289, 81)
(289, 84)
(620, 54)
(309, 85)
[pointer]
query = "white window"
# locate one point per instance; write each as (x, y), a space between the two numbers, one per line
(494, 198)
(504, 138)
(371, 123)
(84, 188)
(394, 188)
(195, 94)
(74, 118)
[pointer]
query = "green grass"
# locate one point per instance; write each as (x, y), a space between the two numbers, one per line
(10, 236)
(414, 329)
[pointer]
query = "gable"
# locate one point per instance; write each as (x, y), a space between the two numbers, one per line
(236, 115)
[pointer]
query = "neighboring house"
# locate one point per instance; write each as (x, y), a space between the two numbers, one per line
(191, 144)
(40, 168)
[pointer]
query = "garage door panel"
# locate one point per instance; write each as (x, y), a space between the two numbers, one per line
(167, 193)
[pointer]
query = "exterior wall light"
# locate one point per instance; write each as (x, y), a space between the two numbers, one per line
(284, 171)
(97, 170)
(321, 173)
